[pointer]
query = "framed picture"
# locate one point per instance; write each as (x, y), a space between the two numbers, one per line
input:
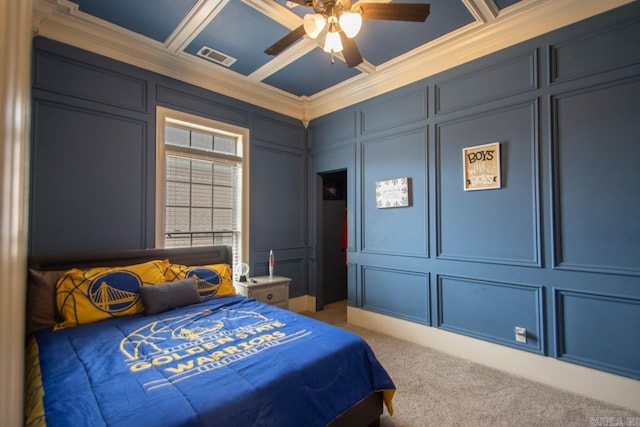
(393, 193)
(481, 167)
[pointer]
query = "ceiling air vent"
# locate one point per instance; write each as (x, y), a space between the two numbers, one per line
(215, 56)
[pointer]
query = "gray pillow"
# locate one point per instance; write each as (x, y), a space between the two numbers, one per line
(41, 300)
(170, 295)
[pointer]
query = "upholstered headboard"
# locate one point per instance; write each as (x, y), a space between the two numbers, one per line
(44, 272)
(188, 256)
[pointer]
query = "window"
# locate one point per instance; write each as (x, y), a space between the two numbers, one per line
(202, 181)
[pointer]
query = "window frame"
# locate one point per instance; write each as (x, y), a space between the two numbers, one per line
(166, 116)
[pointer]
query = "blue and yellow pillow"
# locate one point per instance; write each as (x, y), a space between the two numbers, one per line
(87, 296)
(213, 280)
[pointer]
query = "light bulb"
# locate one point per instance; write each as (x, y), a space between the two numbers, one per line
(332, 43)
(350, 22)
(313, 24)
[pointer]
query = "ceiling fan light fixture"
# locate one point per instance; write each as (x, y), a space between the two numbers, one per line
(313, 24)
(332, 43)
(351, 22)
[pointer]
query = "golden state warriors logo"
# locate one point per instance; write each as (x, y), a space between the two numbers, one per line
(186, 346)
(115, 292)
(208, 281)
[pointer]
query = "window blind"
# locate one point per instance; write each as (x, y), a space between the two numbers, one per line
(203, 185)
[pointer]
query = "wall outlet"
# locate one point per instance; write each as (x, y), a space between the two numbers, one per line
(521, 334)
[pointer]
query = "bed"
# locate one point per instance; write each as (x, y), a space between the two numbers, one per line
(182, 359)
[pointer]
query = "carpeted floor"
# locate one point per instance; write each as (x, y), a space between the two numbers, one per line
(437, 389)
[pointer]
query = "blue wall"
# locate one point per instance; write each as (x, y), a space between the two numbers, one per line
(556, 250)
(93, 160)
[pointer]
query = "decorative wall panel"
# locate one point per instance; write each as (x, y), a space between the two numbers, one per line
(409, 106)
(69, 77)
(600, 331)
(595, 52)
(88, 181)
(491, 311)
(200, 104)
(596, 176)
(332, 129)
(402, 294)
(481, 225)
(278, 132)
(277, 195)
(401, 231)
(501, 80)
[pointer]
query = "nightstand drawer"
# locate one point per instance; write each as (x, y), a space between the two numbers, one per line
(272, 294)
(271, 290)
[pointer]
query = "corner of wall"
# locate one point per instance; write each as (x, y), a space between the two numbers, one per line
(302, 303)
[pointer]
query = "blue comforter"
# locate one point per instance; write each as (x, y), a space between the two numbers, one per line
(229, 361)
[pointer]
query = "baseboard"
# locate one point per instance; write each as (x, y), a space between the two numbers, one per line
(303, 303)
(578, 379)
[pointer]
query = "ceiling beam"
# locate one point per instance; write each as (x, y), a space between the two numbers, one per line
(286, 57)
(202, 13)
(482, 10)
(277, 12)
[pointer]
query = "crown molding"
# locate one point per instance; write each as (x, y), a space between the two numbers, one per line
(62, 21)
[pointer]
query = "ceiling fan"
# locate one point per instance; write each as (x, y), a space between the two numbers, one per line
(342, 22)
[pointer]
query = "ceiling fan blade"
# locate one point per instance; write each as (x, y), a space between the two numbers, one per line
(413, 12)
(350, 51)
(286, 41)
(301, 2)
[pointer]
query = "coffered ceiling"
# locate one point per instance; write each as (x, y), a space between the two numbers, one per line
(165, 36)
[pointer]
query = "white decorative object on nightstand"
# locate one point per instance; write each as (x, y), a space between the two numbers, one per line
(272, 290)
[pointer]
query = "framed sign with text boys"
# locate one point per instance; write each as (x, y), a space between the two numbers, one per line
(481, 165)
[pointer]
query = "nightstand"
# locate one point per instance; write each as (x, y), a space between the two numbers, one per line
(272, 290)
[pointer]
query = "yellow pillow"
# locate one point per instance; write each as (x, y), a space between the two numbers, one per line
(87, 296)
(212, 280)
